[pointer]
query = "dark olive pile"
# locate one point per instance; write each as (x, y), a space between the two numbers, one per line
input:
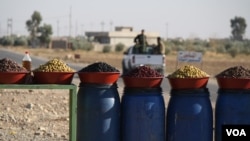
(235, 72)
(8, 65)
(99, 67)
(143, 71)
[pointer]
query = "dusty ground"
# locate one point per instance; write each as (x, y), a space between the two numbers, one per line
(42, 115)
(34, 115)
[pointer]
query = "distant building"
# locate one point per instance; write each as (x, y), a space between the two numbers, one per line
(124, 35)
(60, 43)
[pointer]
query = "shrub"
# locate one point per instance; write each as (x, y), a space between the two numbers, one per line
(233, 51)
(21, 41)
(168, 50)
(200, 48)
(221, 49)
(106, 49)
(7, 41)
(81, 43)
(119, 47)
(87, 46)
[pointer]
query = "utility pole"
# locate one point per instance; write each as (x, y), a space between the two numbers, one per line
(58, 28)
(111, 25)
(166, 31)
(9, 27)
(82, 26)
(102, 25)
(76, 28)
(0, 29)
(70, 16)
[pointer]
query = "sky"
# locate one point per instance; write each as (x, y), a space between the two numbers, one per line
(170, 18)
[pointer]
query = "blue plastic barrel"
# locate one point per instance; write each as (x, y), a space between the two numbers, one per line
(98, 113)
(232, 108)
(142, 115)
(189, 116)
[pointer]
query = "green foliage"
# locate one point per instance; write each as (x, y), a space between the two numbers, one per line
(167, 50)
(38, 34)
(200, 48)
(168, 47)
(33, 24)
(246, 45)
(221, 49)
(119, 47)
(21, 41)
(232, 47)
(87, 46)
(180, 48)
(7, 41)
(233, 51)
(81, 43)
(45, 33)
(106, 49)
(238, 25)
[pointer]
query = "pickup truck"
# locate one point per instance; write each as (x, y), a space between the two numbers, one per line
(133, 59)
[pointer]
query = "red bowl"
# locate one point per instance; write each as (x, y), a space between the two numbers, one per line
(53, 77)
(142, 82)
(188, 83)
(13, 77)
(233, 83)
(99, 77)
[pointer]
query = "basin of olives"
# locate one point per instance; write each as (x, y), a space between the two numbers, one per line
(188, 77)
(54, 71)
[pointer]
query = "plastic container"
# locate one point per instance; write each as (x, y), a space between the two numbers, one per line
(232, 108)
(53, 77)
(233, 83)
(188, 83)
(142, 115)
(189, 116)
(26, 62)
(13, 77)
(98, 113)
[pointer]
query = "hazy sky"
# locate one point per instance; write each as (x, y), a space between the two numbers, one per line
(171, 18)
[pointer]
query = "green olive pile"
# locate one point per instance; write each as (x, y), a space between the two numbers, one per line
(54, 65)
(188, 71)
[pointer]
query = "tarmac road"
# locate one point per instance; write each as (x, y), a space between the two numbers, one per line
(36, 61)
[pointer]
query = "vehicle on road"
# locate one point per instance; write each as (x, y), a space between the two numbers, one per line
(132, 59)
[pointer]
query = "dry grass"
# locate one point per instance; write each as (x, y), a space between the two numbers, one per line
(212, 63)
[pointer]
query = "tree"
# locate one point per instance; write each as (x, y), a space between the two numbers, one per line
(33, 25)
(45, 33)
(238, 25)
(38, 33)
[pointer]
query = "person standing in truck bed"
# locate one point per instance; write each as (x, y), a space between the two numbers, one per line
(160, 47)
(141, 41)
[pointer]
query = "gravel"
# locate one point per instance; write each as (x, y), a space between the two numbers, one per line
(34, 115)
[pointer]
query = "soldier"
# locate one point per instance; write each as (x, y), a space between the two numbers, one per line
(141, 41)
(160, 47)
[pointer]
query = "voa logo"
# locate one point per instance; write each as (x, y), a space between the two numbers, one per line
(236, 132)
